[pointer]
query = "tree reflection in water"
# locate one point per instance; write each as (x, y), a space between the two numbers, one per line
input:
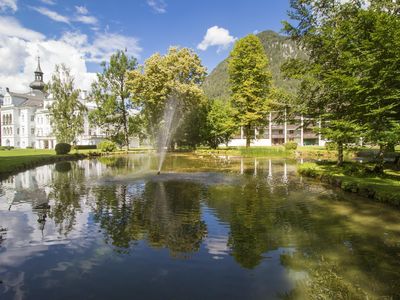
(345, 249)
(338, 244)
(68, 186)
(3, 232)
(258, 223)
(166, 214)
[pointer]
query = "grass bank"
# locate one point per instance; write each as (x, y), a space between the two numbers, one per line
(248, 152)
(18, 160)
(355, 178)
(312, 152)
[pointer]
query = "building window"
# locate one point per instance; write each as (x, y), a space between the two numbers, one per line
(32, 118)
(17, 131)
(32, 131)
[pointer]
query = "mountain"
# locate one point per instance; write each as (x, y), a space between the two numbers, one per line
(278, 49)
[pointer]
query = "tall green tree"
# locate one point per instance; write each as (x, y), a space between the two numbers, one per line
(174, 79)
(67, 112)
(220, 123)
(327, 85)
(112, 96)
(351, 78)
(192, 130)
(375, 62)
(250, 82)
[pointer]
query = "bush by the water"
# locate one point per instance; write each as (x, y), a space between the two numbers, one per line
(107, 146)
(290, 146)
(63, 167)
(85, 147)
(63, 148)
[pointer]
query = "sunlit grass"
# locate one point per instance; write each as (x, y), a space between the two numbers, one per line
(383, 188)
(17, 159)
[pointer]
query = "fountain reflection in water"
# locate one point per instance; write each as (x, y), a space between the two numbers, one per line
(167, 129)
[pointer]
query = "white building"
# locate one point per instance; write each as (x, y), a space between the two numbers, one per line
(25, 118)
(299, 130)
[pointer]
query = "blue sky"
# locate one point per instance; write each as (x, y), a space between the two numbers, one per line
(85, 32)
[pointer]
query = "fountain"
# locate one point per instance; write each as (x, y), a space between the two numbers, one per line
(167, 129)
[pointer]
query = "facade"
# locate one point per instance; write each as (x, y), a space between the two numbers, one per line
(25, 118)
(280, 132)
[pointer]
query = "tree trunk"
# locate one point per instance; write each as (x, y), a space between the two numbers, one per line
(380, 160)
(340, 154)
(248, 137)
(125, 120)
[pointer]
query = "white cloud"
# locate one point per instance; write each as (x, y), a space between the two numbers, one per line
(55, 16)
(48, 2)
(158, 6)
(81, 17)
(103, 45)
(19, 48)
(12, 28)
(81, 10)
(216, 36)
(8, 5)
(86, 19)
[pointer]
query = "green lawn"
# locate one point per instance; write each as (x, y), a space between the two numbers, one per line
(25, 152)
(19, 159)
(383, 188)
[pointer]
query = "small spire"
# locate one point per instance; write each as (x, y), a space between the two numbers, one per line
(38, 69)
(38, 84)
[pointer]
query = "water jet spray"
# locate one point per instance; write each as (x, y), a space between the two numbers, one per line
(167, 129)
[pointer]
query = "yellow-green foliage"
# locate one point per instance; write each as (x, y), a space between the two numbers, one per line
(107, 146)
(250, 80)
(277, 48)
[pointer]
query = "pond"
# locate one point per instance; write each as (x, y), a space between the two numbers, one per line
(206, 228)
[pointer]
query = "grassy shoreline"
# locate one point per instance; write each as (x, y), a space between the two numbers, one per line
(19, 160)
(313, 152)
(384, 188)
(15, 161)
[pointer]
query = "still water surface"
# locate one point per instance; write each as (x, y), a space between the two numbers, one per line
(206, 228)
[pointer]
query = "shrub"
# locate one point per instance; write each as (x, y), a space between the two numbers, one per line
(6, 147)
(63, 148)
(107, 146)
(290, 146)
(63, 167)
(85, 147)
(330, 146)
